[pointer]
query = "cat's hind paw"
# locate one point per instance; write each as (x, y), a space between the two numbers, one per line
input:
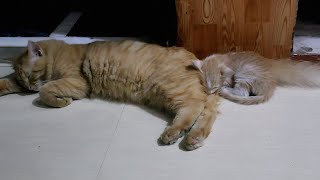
(193, 141)
(171, 135)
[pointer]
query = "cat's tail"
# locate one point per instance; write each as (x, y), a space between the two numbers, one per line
(246, 100)
(289, 72)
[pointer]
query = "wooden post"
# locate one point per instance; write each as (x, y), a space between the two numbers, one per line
(218, 26)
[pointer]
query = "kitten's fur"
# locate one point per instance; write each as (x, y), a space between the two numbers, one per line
(248, 78)
(125, 70)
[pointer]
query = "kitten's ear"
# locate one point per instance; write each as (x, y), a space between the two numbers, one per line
(34, 51)
(197, 64)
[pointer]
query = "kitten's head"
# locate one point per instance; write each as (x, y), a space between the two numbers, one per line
(211, 73)
(30, 67)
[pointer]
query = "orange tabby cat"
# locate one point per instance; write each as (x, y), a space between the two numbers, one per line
(248, 78)
(125, 71)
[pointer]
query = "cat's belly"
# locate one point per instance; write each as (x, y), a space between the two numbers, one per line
(162, 90)
(128, 90)
(117, 88)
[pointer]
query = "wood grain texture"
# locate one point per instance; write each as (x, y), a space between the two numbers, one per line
(218, 26)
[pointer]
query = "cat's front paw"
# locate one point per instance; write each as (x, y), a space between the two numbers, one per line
(8, 86)
(53, 101)
(63, 102)
(171, 135)
(3, 92)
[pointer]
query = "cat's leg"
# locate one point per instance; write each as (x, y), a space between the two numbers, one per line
(8, 86)
(202, 127)
(183, 121)
(228, 82)
(239, 89)
(228, 76)
(61, 92)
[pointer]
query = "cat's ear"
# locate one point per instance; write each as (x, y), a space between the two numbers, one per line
(197, 64)
(34, 51)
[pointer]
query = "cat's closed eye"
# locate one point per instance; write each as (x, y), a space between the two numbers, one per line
(38, 53)
(36, 71)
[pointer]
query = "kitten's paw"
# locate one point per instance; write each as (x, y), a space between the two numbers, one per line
(226, 84)
(171, 135)
(223, 89)
(194, 140)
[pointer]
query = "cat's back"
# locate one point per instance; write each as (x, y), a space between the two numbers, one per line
(130, 50)
(246, 60)
(136, 57)
(249, 65)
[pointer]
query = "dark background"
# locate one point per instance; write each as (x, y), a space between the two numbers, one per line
(309, 11)
(155, 19)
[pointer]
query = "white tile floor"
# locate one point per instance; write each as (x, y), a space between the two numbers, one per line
(96, 139)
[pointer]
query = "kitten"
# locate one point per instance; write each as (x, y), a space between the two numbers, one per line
(128, 71)
(248, 78)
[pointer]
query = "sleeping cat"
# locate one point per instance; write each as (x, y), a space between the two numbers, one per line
(248, 78)
(121, 70)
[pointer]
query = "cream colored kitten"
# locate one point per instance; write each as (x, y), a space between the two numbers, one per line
(248, 78)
